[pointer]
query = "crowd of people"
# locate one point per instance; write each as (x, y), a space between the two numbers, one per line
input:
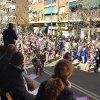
(41, 48)
(45, 48)
(38, 49)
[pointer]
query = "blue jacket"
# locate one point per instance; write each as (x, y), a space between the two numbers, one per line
(83, 53)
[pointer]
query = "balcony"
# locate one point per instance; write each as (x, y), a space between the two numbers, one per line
(48, 18)
(11, 1)
(72, 0)
(75, 16)
(10, 11)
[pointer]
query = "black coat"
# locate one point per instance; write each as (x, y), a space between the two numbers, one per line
(12, 81)
(66, 94)
(9, 36)
(4, 61)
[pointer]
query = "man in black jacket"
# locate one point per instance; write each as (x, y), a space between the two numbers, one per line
(9, 36)
(12, 80)
(6, 58)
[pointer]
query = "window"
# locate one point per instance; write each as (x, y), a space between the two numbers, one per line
(11, 8)
(40, 13)
(48, 2)
(7, 10)
(34, 1)
(39, 0)
(62, 10)
(14, 1)
(34, 13)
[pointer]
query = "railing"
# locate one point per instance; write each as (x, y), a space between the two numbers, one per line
(74, 16)
(72, 0)
(48, 18)
(12, 1)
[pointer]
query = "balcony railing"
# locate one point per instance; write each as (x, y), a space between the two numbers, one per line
(72, 0)
(48, 18)
(74, 16)
(11, 1)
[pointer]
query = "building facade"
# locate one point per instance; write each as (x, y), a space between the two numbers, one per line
(14, 11)
(7, 11)
(46, 13)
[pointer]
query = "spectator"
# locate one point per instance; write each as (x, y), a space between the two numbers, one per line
(97, 59)
(12, 80)
(30, 86)
(83, 56)
(43, 58)
(80, 47)
(9, 35)
(6, 58)
(37, 63)
(58, 86)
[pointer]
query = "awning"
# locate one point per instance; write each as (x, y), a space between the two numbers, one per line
(48, 10)
(72, 4)
(29, 11)
(30, 1)
(42, 29)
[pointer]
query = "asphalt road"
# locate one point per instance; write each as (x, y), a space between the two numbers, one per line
(83, 83)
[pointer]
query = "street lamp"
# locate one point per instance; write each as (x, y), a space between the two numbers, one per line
(51, 16)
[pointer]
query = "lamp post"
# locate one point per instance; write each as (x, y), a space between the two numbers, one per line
(51, 16)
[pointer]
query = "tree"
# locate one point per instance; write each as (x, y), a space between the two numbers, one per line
(22, 11)
(20, 15)
(2, 10)
(89, 11)
(60, 23)
(61, 17)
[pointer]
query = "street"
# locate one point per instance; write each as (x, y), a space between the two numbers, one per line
(83, 83)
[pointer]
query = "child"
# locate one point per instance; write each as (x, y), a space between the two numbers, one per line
(49, 54)
(73, 54)
(30, 86)
(83, 56)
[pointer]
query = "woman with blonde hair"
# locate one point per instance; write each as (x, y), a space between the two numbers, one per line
(57, 87)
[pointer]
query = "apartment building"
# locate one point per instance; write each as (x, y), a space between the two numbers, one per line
(7, 11)
(45, 13)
